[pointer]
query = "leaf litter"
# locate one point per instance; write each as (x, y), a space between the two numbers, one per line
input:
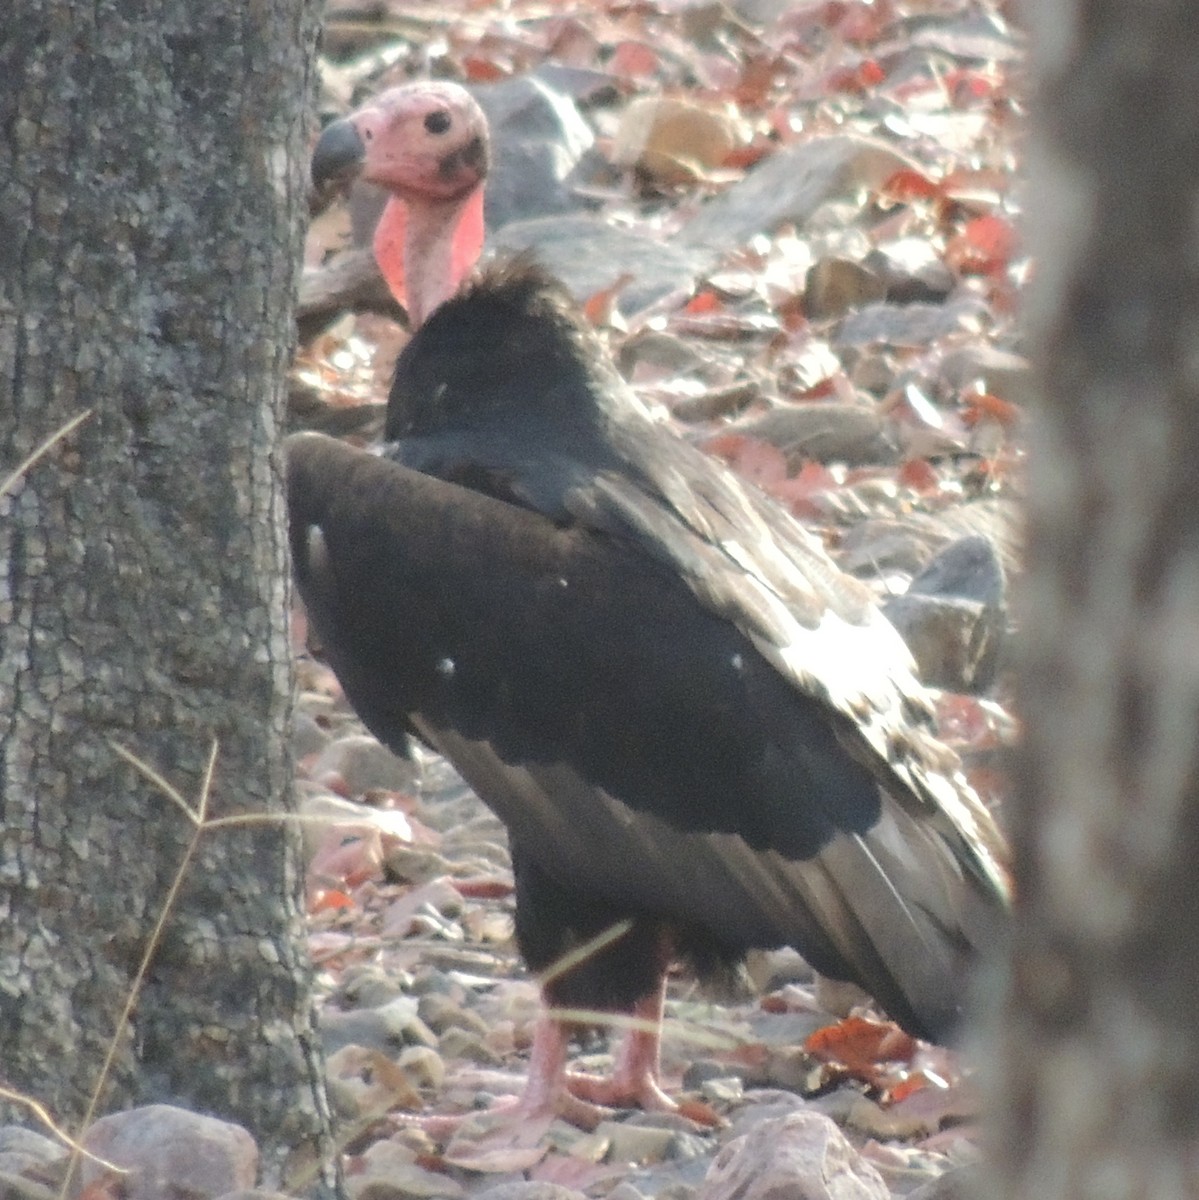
(843, 332)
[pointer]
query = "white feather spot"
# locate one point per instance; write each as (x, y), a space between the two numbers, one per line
(446, 667)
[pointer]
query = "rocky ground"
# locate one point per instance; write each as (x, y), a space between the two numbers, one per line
(428, 1010)
(794, 223)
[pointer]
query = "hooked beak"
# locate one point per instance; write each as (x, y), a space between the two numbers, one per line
(339, 154)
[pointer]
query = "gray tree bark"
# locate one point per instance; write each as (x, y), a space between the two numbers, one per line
(152, 157)
(1098, 1096)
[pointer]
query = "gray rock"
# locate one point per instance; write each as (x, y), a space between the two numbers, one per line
(761, 12)
(960, 1183)
(588, 255)
(171, 1152)
(367, 985)
(307, 736)
(662, 351)
(835, 285)
(703, 1070)
(671, 1180)
(967, 569)
(388, 1171)
(530, 1190)
(324, 812)
(539, 140)
(459, 1043)
(678, 1190)
(911, 271)
(983, 37)
(423, 1065)
(441, 1012)
(802, 1156)
(953, 616)
(363, 763)
(629, 1143)
(255, 1194)
(955, 642)
(999, 519)
(845, 433)
(388, 1028)
(762, 1105)
(723, 1092)
(28, 1145)
(407, 864)
(23, 1154)
(879, 546)
(1002, 372)
(790, 186)
(882, 546)
(583, 85)
(910, 325)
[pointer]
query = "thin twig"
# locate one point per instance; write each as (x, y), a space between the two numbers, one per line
(579, 954)
(62, 1135)
(44, 449)
(155, 937)
(156, 779)
(679, 1031)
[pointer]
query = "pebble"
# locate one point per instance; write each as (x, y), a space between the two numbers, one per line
(388, 1171)
(363, 763)
(630, 1143)
(461, 1043)
(390, 1027)
(530, 1189)
(890, 1122)
(835, 285)
(854, 434)
(408, 864)
(625, 1191)
(423, 1065)
(22, 1148)
(701, 1070)
(440, 1013)
(958, 1183)
(367, 985)
(724, 1091)
(308, 736)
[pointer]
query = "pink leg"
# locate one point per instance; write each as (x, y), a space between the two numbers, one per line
(634, 1080)
(548, 1093)
(584, 1100)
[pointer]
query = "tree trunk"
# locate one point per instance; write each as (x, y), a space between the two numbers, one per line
(152, 157)
(1099, 1049)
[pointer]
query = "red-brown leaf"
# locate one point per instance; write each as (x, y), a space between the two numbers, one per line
(860, 1044)
(983, 247)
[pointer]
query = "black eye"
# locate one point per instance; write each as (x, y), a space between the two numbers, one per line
(438, 122)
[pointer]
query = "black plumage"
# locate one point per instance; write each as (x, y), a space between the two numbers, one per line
(697, 730)
(683, 712)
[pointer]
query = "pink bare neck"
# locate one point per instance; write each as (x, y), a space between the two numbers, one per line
(426, 247)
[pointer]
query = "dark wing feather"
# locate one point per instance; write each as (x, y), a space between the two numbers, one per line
(548, 423)
(640, 742)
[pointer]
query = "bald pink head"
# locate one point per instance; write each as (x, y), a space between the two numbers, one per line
(428, 145)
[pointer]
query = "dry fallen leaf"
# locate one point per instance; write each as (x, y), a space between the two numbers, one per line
(675, 141)
(859, 1041)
